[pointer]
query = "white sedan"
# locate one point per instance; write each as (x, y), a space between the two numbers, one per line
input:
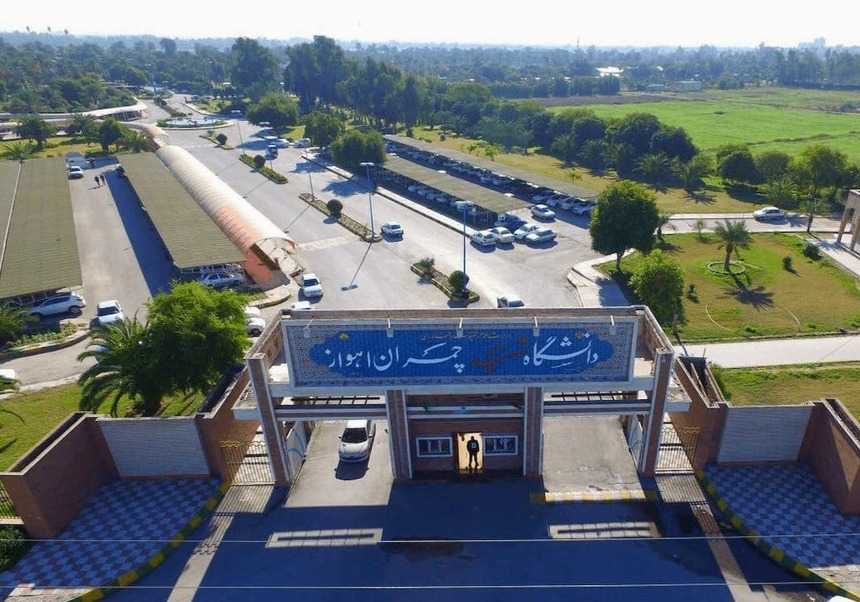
(543, 212)
(502, 234)
(484, 238)
(524, 230)
(392, 229)
(769, 213)
(108, 312)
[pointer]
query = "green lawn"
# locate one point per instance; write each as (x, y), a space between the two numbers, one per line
(792, 385)
(25, 418)
(767, 300)
(771, 119)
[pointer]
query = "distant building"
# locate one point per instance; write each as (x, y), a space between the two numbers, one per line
(610, 71)
(687, 86)
(655, 88)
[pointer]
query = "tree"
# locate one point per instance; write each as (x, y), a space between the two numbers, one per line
(732, 236)
(658, 282)
(355, 147)
(199, 333)
(111, 131)
(692, 172)
(276, 108)
(653, 166)
(323, 128)
(773, 165)
(13, 320)
(662, 220)
(18, 151)
(812, 206)
(458, 280)
(35, 129)
(781, 192)
(126, 366)
(820, 167)
(625, 217)
(254, 66)
(739, 167)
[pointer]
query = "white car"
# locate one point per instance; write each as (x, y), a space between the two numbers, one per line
(584, 208)
(484, 238)
(392, 229)
(72, 303)
(524, 230)
(75, 172)
(255, 326)
(108, 312)
(768, 213)
(221, 279)
(311, 286)
(502, 234)
(540, 235)
(356, 440)
(543, 212)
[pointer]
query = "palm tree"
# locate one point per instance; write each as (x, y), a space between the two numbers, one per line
(691, 172)
(124, 368)
(13, 319)
(663, 220)
(781, 193)
(18, 151)
(812, 206)
(733, 236)
(653, 166)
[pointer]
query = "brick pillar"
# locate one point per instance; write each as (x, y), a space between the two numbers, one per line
(271, 429)
(398, 433)
(533, 433)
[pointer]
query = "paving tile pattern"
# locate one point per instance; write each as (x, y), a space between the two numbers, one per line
(126, 523)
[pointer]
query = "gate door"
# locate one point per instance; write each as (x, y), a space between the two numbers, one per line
(677, 448)
(248, 461)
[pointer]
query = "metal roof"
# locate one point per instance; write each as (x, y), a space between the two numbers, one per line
(486, 198)
(527, 176)
(191, 237)
(40, 251)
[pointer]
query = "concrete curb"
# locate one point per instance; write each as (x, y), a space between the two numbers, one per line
(154, 561)
(38, 348)
(772, 552)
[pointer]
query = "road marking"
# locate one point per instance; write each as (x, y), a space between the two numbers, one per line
(326, 243)
(325, 538)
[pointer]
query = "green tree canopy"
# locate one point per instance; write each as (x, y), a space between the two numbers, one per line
(323, 128)
(255, 65)
(732, 236)
(199, 333)
(276, 108)
(658, 282)
(36, 129)
(625, 217)
(355, 147)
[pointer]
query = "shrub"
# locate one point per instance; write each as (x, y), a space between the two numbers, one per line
(13, 545)
(787, 264)
(221, 138)
(458, 281)
(426, 265)
(812, 251)
(335, 207)
(259, 161)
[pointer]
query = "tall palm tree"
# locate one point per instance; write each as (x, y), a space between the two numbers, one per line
(124, 368)
(691, 172)
(18, 151)
(781, 193)
(732, 236)
(812, 206)
(653, 166)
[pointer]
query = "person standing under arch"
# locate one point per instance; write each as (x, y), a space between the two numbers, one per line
(473, 447)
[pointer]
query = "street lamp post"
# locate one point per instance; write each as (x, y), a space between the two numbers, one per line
(311, 183)
(237, 114)
(465, 278)
(367, 165)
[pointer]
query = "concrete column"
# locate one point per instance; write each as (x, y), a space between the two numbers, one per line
(266, 409)
(398, 434)
(653, 426)
(533, 433)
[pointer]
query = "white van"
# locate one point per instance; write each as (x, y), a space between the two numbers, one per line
(303, 142)
(356, 439)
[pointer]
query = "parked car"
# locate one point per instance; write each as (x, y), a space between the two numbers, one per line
(75, 172)
(769, 213)
(356, 440)
(108, 312)
(510, 221)
(484, 238)
(584, 208)
(72, 303)
(502, 234)
(255, 326)
(568, 203)
(221, 279)
(509, 301)
(540, 235)
(543, 212)
(392, 229)
(524, 230)
(311, 286)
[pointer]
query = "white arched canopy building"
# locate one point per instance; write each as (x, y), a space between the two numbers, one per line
(269, 252)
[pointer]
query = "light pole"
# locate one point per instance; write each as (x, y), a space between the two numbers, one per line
(367, 165)
(465, 278)
(236, 113)
(311, 183)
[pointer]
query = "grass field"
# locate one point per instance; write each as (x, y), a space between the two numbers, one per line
(792, 385)
(767, 300)
(25, 418)
(767, 119)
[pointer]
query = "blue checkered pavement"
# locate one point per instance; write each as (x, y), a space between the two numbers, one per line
(125, 524)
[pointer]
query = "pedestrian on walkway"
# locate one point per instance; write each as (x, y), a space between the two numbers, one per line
(473, 447)
(98, 182)
(103, 179)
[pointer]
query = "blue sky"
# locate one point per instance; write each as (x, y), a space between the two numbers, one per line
(731, 23)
